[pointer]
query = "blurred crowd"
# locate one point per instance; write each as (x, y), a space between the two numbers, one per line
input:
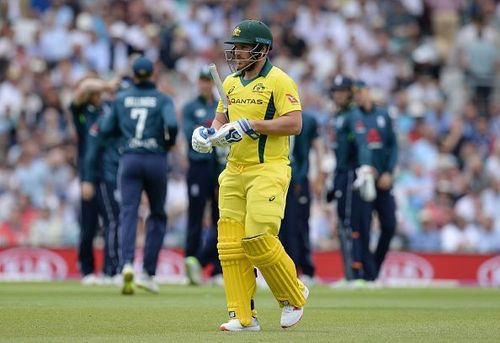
(434, 63)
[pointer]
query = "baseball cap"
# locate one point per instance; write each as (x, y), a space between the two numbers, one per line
(359, 84)
(341, 83)
(142, 67)
(205, 74)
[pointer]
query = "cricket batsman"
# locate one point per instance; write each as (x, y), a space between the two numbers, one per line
(264, 110)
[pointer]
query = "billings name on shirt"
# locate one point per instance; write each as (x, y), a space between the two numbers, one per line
(143, 101)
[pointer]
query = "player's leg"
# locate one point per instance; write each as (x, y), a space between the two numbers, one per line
(197, 195)
(344, 231)
(89, 224)
(130, 185)
(155, 185)
(363, 263)
(110, 210)
(267, 189)
(304, 211)
(385, 205)
(288, 232)
(238, 272)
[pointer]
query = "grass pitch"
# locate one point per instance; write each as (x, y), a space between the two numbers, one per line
(66, 311)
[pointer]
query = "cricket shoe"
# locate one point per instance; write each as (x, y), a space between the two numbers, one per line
(90, 280)
(128, 279)
(193, 270)
(290, 315)
(147, 283)
(235, 325)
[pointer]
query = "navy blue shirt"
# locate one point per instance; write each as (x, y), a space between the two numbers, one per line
(145, 118)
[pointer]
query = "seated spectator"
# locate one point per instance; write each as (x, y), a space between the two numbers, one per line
(428, 238)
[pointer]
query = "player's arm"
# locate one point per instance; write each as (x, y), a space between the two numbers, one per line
(93, 145)
(170, 122)
(288, 124)
(219, 120)
(89, 86)
(385, 180)
(108, 125)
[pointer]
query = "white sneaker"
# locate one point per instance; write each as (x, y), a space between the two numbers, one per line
(217, 280)
(235, 325)
(147, 283)
(309, 281)
(290, 315)
(193, 270)
(128, 279)
(90, 280)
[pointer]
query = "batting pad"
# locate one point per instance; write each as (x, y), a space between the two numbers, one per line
(238, 272)
(266, 253)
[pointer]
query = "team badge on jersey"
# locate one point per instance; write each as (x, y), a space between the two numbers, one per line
(200, 113)
(292, 99)
(258, 88)
(380, 121)
(359, 127)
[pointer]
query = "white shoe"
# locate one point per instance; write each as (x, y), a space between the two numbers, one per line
(290, 315)
(128, 279)
(147, 283)
(235, 325)
(193, 270)
(217, 280)
(309, 281)
(90, 280)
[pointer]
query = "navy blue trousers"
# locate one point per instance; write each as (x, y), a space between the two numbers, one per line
(354, 227)
(385, 206)
(103, 205)
(294, 231)
(140, 172)
(203, 187)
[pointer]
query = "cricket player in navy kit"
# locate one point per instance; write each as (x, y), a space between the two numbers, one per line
(383, 145)
(353, 185)
(86, 107)
(146, 120)
(204, 169)
(294, 232)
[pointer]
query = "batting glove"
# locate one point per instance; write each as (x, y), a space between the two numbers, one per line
(201, 141)
(365, 183)
(233, 132)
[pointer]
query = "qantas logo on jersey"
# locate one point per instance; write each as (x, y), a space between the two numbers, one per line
(292, 99)
(247, 101)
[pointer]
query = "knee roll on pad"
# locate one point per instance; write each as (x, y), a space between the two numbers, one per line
(238, 272)
(266, 253)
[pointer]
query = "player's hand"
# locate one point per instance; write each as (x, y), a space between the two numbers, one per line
(231, 133)
(384, 182)
(201, 141)
(87, 190)
(365, 183)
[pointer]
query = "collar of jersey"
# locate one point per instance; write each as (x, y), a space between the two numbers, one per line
(263, 72)
(145, 84)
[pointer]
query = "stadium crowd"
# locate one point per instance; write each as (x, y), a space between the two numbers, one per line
(434, 63)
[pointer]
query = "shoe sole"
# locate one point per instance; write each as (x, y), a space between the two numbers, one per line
(147, 289)
(128, 283)
(306, 295)
(252, 329)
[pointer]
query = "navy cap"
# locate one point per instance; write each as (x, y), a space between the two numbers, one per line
(341, 83)
(359, 84)
(142, 67)
(205, 74)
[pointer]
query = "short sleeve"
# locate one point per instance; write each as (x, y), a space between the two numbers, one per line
(286, 96)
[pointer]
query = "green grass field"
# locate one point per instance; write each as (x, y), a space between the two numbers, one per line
(66, 311)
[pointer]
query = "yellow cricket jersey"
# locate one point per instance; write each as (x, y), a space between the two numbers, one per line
(271, 94)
